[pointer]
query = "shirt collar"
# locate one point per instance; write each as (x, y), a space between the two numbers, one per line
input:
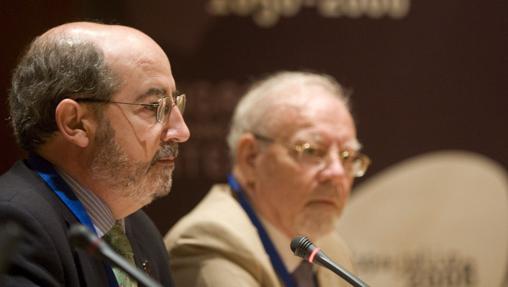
(100, 214)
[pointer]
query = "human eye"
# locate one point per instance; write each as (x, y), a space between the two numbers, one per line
(345, 155)
(310, 150)
(350, 157)
(151, 106)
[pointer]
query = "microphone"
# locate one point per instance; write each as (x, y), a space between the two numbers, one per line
(303, 247)
(80, 237)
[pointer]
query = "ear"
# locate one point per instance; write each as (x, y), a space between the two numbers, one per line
(247, 151)
(72, 120)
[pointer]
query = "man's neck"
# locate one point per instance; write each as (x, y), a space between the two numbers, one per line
(281, 242)
(76, 165)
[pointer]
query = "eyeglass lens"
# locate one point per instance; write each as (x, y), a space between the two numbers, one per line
(165, 107)
(353, 164)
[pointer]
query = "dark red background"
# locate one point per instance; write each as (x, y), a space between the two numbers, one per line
(433, 80)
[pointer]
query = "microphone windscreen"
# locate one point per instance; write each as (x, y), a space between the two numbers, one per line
(300, 246)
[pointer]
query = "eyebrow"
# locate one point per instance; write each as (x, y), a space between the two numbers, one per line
(152, 92)
(354, 144)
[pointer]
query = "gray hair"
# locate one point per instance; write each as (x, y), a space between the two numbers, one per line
(256, 110)
(53, 68)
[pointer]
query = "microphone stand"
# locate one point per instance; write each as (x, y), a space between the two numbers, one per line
(325, 261)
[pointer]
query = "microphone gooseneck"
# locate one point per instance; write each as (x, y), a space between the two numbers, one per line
(304, 248)
(81, 237)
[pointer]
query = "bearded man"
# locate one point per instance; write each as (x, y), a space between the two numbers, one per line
(96, 109)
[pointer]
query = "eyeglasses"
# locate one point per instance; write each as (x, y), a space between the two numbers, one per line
(354, 162)
(162, 107)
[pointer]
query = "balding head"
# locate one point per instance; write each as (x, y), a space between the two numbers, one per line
(95, 32)
(74, 60)
(117, 42)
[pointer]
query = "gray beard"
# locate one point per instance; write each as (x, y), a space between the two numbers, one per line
(138, 181)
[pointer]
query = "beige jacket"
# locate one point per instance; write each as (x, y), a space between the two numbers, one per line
(217, 245)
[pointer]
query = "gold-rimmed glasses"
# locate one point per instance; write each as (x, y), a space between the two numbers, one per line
(354, 162)
(162, 107)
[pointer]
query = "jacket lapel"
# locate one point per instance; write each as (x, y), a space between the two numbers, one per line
(91, 271)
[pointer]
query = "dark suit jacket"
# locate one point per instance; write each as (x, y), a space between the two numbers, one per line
(44, 256)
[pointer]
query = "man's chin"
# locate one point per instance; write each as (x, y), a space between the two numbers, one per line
(161, 193)
(156, 184)
(146, 199)
(163, 183)
(317, 226)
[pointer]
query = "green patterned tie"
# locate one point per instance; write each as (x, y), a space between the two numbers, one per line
(117, 239)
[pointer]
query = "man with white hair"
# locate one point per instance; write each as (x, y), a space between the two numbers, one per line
(295, 154)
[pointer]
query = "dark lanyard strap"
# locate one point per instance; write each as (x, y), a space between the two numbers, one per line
(55, 182)
(275, 259)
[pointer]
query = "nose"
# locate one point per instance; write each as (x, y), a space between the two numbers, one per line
(175, 128)
(333, 169)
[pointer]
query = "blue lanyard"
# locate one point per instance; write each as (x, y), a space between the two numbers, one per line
(275, 259)
(47, 172)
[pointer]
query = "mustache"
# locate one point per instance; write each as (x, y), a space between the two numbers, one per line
(329, 191)
(167, 150)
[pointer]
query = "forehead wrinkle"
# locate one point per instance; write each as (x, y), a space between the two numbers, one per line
(283, 120)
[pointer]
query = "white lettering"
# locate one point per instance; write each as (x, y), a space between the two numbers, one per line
(266, 13)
